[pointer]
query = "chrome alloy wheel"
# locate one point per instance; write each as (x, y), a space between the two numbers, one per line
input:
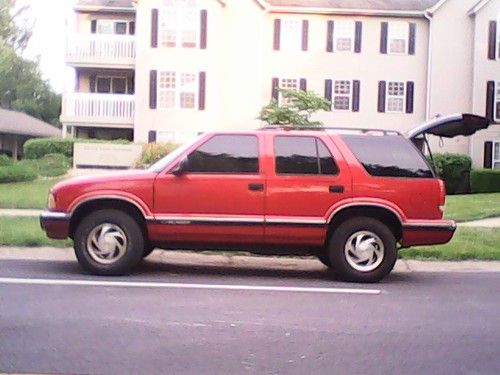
(106, 243)
(364, 251)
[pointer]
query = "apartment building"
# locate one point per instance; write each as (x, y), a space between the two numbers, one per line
(167, 70)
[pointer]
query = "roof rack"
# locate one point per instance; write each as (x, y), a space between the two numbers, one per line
(340, 129)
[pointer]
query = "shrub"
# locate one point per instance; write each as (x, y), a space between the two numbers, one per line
(454, 169)
(52, 165)
(17, 172)
(485, 181)
(5, 161)
(37, 148)
(153, 152)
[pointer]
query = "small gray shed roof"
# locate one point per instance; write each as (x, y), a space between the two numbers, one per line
(384, 5)
(18, 123)
(107, 3)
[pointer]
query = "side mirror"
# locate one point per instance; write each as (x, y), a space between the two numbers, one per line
(180, 168)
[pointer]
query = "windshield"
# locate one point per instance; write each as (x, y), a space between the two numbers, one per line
(165, 161)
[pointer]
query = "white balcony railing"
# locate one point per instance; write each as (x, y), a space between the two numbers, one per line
(101, 49)
(98, 108)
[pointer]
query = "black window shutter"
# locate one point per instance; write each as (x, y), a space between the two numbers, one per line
(277, 34)
(154, 28)
(151, 136)
(303, 84)
(410, 88)
(329, 36)
(490, 100)
(93, 26)
(412, 37)
(488, 155)
(305, 35)
(131, 84)
(328, 91)
(274, 92)
(355, 95)
(381, 96)
(383, 37)
(152, 89)
(131, 27)
(202, 90)
(492, 40)
(92, 83)
(358, 35)
(203, 28)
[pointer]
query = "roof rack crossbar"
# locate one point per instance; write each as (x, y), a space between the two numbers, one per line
(362, 130)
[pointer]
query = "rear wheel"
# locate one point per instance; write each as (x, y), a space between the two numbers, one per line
(325, 259)
(108, 242)
(362, 250)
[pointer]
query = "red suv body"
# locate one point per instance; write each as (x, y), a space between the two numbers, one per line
(351, 199)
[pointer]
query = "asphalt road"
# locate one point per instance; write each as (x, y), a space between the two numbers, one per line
(412, 323)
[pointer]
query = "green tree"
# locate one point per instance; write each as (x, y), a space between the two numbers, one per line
(21, 85)
(295, 110)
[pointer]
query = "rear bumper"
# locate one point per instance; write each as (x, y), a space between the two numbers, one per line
(55, 224)
(433, 232)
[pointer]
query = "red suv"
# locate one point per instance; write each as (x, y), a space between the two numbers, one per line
(350, 197)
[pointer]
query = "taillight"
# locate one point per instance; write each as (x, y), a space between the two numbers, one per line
(442, 193)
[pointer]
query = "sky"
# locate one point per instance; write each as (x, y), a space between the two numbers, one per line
(52, 20)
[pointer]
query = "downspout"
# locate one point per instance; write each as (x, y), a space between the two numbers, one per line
(429, 17)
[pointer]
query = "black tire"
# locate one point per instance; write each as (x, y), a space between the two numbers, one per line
(325, 259)
(130, 235)
(148, 249)
(343, 264)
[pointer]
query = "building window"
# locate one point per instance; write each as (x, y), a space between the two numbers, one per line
(288, 84)
(179, 24)
(343, 36)
(497, 102)
(397, 40)
(395, 97)
(177, 90)
(496, 155)
(111, 85)
(342, 95)
(112, 27)
(291, 34)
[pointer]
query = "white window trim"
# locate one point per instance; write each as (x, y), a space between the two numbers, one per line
(288, 41)
(111, 84)
(352, 35)
(280, 98)
(493, 160)
(351, 96)
(114, 21)
(496, 100)
(387, 97)
(390, 31)
(177, 90)
(497, 41)
(179, 27)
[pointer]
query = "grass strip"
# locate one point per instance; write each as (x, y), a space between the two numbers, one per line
(470, 207)
(26, 194)
(26, 231)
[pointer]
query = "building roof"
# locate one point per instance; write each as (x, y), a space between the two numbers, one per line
(18, 123)
(382, 5)
(105, 5)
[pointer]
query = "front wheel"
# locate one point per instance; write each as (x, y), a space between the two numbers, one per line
(362, 250)
(108, 242)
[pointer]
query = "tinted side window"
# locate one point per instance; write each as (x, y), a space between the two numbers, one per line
(303, 155)
(226, 154)
(388, 156)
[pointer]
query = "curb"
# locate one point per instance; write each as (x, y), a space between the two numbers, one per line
(223, 260)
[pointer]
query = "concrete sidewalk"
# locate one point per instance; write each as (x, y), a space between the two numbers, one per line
(243, 261)
(493, 222)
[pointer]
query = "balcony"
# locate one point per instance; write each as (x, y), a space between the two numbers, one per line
(107, 110)
(101, 50)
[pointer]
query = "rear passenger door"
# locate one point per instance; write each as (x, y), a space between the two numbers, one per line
(308, 176)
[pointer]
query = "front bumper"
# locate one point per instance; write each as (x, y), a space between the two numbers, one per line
(55, 224)
(435, 232)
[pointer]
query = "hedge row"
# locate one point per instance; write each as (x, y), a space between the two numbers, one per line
(485, 181)
(454, 169)
(37, 148)
(50, 165)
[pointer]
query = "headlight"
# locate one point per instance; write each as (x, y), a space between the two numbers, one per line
(52, 201)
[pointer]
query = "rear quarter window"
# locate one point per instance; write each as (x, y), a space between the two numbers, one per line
(388, 156)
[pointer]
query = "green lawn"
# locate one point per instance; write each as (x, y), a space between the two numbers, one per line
(472, 206)
(468, 243)
(26, 194)
(26, 231)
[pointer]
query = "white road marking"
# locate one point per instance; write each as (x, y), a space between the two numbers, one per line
(139, 284)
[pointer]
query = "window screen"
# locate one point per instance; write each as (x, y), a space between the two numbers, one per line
(388, 156)
(226, 154)
(303, 155)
